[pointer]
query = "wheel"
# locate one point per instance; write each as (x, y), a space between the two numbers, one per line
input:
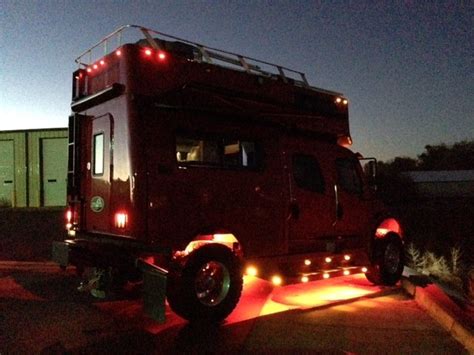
(387, 261)
(208, 287)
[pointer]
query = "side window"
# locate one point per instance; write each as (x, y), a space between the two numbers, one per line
(227, 153)
(197, 151)
(240, 154)
(307, 173)
(347, 176)
(98, 154)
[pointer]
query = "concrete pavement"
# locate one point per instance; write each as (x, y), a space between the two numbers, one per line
(336, 316)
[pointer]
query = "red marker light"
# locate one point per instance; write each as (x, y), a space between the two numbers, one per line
(118, 52)
(102, 62)
(121, 219)
(89, 70)
(162, 56)
(148, 52)
(69, 216)
(95, 66)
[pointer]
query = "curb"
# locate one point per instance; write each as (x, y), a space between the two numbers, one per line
(443, 310)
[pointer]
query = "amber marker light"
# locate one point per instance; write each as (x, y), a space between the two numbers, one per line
(345, 102)
(326, 275)
(251, 271)
(338, 100)
(346, 272)
(364, 270)
(277, 280)
(328, 260)
(307, 262)
(347, 257)
(305, 279)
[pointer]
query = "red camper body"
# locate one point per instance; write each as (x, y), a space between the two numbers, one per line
(199, 164)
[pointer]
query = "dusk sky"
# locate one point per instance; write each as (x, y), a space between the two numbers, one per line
(406, 66)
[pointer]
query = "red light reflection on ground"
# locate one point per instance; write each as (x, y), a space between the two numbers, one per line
(312, 294)
(260, 298)
(9, 288)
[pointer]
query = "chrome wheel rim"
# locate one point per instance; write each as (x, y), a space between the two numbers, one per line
(212, 283)
(392, 258)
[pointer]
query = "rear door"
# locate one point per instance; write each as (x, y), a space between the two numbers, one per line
(99, 174)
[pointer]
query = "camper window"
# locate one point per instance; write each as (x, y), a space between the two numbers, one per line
(98, 154)
(220, 152)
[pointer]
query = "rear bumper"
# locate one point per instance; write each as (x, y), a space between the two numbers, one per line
(82, 253)
(85, 253)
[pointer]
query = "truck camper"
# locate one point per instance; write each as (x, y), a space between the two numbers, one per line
(191, 166)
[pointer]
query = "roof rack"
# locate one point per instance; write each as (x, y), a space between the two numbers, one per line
(206, 54)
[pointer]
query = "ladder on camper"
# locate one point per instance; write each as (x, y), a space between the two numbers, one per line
(206, 54)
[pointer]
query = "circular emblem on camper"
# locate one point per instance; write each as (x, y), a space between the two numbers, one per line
(97, 204)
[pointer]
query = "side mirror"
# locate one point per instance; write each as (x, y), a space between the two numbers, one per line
(369, 166)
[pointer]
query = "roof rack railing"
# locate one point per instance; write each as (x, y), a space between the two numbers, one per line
(207, 54)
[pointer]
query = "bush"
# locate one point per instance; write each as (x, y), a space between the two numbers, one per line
(451, 270)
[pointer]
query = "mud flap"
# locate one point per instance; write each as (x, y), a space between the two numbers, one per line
(154, 290)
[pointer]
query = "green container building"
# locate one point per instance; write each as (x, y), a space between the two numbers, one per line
(33, 168)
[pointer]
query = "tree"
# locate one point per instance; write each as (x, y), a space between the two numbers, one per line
(395, 187)
(459, 156)
(392, 186)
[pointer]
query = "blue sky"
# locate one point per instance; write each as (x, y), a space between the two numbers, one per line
(406, 67)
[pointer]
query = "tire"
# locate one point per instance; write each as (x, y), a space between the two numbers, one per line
(208, 287)
(387, 261)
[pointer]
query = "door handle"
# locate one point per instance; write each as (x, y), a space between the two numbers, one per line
(8, 182)
(52, 180)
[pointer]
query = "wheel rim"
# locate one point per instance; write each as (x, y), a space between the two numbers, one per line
(212, 283)
(392, 258)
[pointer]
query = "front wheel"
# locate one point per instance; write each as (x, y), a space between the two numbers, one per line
(208, 287)
(387, 261)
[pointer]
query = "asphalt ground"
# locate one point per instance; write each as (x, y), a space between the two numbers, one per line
(40, 312)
